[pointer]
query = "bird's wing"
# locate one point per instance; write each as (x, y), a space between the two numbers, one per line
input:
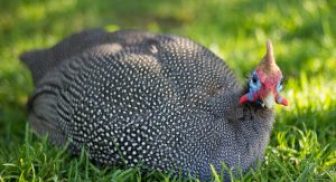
(94, 41)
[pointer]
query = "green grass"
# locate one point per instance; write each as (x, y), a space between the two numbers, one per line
(303, 141)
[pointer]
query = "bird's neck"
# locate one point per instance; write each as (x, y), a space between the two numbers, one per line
(226, 104)
(251, 125)
(248, 111)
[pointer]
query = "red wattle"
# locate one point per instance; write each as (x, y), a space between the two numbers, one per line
(243, 99)
(284, 102)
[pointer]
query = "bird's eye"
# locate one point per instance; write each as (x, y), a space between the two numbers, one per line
(254, 79)
(281, 81)
(279, 86)
(254, 82)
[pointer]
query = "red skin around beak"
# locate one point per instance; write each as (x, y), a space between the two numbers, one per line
(281, 100)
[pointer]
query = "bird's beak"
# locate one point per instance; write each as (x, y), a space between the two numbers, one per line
(268, 101)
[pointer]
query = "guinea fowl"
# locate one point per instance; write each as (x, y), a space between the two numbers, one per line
(161, 102)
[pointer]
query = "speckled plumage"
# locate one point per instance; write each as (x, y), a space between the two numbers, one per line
(135, 98)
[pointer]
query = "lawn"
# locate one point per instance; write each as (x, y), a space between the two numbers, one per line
(303, 141)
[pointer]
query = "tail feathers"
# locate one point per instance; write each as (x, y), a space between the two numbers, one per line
(38, 63)
(43, 119)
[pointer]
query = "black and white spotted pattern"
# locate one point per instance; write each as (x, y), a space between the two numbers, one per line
(135, 98)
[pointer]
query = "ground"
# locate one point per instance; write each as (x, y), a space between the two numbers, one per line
(303, 141)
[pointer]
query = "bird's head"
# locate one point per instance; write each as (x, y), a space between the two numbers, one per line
(265, 83)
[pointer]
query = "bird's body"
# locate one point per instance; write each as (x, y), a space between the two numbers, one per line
(136, 98)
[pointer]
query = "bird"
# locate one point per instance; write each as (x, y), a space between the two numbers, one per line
(159, 101)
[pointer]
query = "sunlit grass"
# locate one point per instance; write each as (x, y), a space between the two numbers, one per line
(303, 141)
